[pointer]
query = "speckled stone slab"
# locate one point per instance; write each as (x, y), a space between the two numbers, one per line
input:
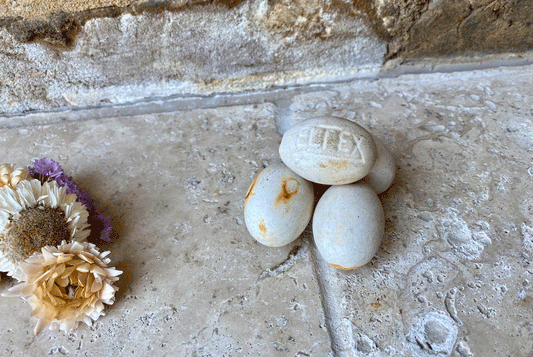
(453, 275)
(195, 283)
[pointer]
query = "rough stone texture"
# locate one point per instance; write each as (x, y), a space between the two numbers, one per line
(452, 277)
(425, 28)
(454, 273)
(59, 54)
(194, 283)
(129, 58)
(41, 9)
(464, 27)
(415, 28)
(59, 22)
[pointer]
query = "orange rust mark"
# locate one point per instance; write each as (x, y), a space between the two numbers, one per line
(375, 305)
(343, 268)
(342, 164)
(249, 193)
(287, 190)
(262, 226)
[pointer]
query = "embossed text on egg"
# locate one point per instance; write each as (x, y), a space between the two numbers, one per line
(329, 140)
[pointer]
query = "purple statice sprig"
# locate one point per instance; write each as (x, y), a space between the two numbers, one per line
(47, 169)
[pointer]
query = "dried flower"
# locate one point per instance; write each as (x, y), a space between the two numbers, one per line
(10, 177)
(37, 215)
(66, 285)
(47, 169)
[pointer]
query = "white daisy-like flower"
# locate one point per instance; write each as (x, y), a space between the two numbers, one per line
(36, 215)
(10, 177)
(66, 285)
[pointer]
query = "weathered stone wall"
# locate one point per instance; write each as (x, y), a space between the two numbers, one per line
(414, 27)
(135, 55)
(425, 28)
(85, 53)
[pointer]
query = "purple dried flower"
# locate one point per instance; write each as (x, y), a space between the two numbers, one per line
(46, 169)
(83, 196)
(105, 234)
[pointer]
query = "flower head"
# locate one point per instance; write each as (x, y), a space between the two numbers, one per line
(37, 215)
(10, 177)
(66, 285)
(47, 169)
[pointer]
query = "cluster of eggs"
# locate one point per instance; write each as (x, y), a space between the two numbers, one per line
(348, 220)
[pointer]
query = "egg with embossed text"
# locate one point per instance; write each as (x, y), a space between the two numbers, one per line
(278, 206)
(348, 225)
(329, 151)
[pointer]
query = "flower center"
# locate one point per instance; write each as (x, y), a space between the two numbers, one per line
(70, 291)
(35, 228)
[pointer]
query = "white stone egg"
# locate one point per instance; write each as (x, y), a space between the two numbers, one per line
(382, 174)
(278, 206)
(329, 151)
(348, 225)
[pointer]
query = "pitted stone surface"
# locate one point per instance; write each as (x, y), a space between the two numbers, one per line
(128, 58)
(194, 281)
(413, 28)
(58, 54)
(454, 268)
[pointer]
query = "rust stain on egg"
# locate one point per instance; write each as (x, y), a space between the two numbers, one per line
(289, 188)
(249, 193)
(342, 268)
(262, 226)
(336, 164)
(342, 164)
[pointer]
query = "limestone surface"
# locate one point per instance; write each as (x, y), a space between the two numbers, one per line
(453, 275)
(414, 28)
(41, 9)
(456, 27)
(194, 282)
(58, 54)
(211, 49)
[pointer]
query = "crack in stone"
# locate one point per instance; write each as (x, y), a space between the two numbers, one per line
(194, 340)
(335, 323)
(296, 253)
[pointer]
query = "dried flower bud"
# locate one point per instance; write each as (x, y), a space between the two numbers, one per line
(66, 285)
(10, 177)
(36, 215)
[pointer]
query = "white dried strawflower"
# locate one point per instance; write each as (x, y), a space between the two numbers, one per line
(66, 285)
(36, 215)
(10, 177)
